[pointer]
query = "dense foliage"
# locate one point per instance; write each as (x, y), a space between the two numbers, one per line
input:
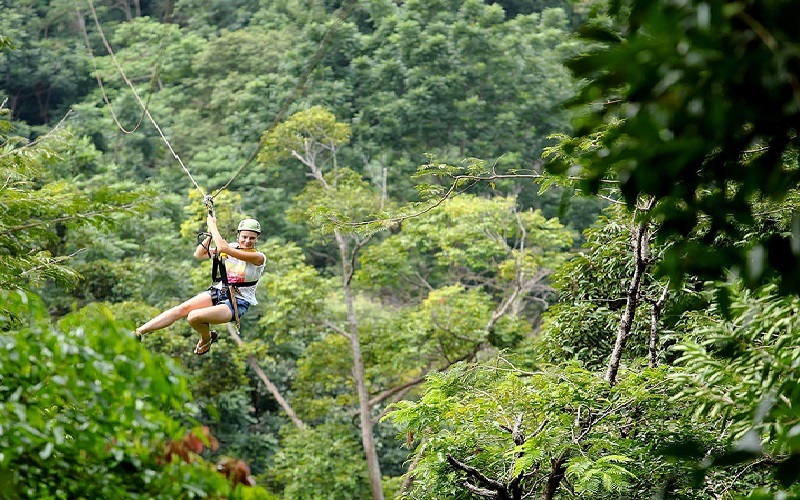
(708, 138)
(443, 314)
(88, 413)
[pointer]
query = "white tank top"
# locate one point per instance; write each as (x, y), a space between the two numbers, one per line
(240, 271)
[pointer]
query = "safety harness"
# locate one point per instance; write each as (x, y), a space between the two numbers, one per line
(218, 271)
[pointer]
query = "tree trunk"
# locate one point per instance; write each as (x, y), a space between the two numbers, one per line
(367, 437)
(409, 479)
(555, 477)
(640, 241)
(123, 4)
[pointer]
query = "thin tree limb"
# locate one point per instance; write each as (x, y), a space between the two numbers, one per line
(38, 139)
(475, 473)
(397, 397)
(389, 392)
(336, 329)
(482, 492)
(55, 260)
(267, 382)
(64, 218)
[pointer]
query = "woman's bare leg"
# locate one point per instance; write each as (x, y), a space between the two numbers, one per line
(201, 319)
(166, 318)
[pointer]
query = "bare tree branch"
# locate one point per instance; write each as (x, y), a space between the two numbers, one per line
(267, 382)
(389, 392)
(336, 329)
(38, 139)
(483, 492)
(55, 260)
(478, 475)
(418, 380)
(397, 397)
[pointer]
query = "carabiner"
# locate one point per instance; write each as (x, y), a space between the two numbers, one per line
(209, 203)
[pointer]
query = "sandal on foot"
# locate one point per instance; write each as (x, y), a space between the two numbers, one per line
(203, 348)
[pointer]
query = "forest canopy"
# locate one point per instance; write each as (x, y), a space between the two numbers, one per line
(514, 249)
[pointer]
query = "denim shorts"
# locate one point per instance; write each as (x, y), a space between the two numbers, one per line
(221, 296)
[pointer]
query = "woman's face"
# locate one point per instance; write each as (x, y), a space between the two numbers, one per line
(247, 239)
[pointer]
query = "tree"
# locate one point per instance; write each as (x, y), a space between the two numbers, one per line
(682, 125)
(498, 429)
(323, 457)
(89, 413)
(682, 128)
(610, 286)
(463, 303)
(477, 268)
(313, 137)
(42, 76)
(457, 79)
(738, 367)
(38, 210)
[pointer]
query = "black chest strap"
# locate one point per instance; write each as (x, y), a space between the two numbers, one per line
(220, 273)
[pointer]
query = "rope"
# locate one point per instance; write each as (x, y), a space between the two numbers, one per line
(82, 24)
(139, 99)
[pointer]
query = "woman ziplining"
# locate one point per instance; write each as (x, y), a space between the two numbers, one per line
(239, 265)
(215, 306)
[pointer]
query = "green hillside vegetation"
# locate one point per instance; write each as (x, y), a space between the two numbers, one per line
(515, 249)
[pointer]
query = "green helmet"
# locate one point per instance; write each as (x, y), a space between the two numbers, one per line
(249, 225)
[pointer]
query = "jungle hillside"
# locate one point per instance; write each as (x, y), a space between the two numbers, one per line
(514, 249)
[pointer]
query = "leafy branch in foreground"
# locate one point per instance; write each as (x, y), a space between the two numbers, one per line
(681, 125)
(88, 413)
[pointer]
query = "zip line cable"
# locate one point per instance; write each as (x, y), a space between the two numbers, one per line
(139, 99)
(162, 47)
(325, 43)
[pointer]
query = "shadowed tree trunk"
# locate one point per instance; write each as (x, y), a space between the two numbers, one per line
(555, 477)
(655, 317)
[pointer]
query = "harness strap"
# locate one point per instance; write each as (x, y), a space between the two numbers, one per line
(232, 298)
(243, 283)
(219, 273)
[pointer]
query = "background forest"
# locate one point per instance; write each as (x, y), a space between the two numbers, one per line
(516, 249)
